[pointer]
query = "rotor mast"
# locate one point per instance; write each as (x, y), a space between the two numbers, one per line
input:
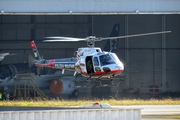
(91, 41)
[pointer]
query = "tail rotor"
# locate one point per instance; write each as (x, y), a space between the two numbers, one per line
(37, 60)
(39, 69)
(31, 61)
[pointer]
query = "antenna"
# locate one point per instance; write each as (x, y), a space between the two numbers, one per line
(111, 50)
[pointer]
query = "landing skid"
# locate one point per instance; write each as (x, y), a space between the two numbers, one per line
(111, 80)
(94, 81)
(85, 85)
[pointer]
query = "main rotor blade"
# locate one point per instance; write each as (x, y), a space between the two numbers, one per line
(63, 39)
(136, 35)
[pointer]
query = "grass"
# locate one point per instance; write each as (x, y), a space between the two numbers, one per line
(50, 103)
(173, 117)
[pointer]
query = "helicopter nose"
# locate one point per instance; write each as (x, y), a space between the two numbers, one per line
(121, 67)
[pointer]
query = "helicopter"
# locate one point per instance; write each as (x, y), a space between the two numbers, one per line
(90, 62)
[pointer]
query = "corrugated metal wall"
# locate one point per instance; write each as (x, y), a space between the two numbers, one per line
(76, 114)
(150, 61)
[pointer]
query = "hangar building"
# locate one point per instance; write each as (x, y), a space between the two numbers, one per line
(151, 62)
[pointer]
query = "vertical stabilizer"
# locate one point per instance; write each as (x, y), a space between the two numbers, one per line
(35, 50)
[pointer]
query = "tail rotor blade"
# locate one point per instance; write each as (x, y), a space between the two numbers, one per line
(39, 69)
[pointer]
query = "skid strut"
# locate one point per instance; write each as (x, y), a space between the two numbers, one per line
(85, 86)
(94, 81)
(85, 81)
(111, 80)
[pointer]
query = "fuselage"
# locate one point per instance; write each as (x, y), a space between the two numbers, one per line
(89, 62)
(99, 65)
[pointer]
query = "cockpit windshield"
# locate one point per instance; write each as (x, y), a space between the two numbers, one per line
(115, 58)
(106, 59)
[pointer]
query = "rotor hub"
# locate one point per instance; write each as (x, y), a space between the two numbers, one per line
(91, 38)
(91, 41)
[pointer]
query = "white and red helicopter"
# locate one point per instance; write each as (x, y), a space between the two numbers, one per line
(90, 62)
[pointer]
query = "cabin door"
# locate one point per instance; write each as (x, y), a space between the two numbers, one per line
(97, 68)
(89, 65)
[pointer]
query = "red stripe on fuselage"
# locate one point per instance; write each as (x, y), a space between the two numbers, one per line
(99, 72)
(42, 65)
(81, 70)
(109, 72)
(82, 64)
(85, 72)
(33, 44)
(117, 71)
(51, 62)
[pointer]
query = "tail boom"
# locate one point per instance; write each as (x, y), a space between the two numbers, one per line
(48, 63)
(58, 65)
(66, 63)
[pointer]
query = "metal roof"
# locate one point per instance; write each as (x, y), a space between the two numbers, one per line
(89, 7)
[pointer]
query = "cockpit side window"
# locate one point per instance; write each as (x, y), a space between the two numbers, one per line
(95, 61)
(106, 59)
